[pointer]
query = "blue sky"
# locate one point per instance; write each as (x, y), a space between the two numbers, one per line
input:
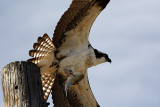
(128, 31)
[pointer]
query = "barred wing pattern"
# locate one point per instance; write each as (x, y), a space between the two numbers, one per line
(42, 50)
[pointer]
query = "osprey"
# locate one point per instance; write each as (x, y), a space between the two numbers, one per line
(69, 53)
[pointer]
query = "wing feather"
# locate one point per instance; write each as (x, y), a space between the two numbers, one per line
(78, 95)
(84, 92)
(77, 13)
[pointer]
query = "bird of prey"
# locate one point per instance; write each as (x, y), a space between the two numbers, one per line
(70, 53)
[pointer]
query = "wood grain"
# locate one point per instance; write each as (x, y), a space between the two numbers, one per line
(21, 84)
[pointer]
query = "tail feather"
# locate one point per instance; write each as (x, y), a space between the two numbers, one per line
(38, 46)
(37, 53)
(47, 83)
(34, 60)
(41, 50)
(45, 42)
(48, 40)
(43, 46)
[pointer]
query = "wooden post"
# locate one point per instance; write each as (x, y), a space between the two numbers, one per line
(21, 84)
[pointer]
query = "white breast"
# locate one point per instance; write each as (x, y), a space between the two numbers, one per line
(79, 62)
(75, 59)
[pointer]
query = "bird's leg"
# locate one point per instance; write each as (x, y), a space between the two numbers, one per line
(74, 77)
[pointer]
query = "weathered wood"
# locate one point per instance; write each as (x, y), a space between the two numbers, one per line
(21, 83)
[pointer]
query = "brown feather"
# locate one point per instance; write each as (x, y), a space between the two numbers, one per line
(34, 60)
(37, 53)
(45, 43)
(77, 11)
(79, 95)
(41, 49)
(47, 84)
(48, 40)
(84, 92)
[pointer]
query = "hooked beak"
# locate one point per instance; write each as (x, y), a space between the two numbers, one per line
(109, 60)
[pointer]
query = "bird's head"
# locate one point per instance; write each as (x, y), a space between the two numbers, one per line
(102, 56)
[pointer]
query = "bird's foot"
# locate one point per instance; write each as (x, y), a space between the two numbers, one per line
(73, 79)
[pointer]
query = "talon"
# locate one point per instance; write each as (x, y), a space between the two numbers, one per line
(67, 85)
(73, 79)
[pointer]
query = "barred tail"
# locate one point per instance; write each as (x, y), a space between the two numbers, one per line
(42, 56)
(47, 83)
(43, 46)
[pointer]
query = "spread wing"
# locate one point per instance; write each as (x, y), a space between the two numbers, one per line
(84, 92)
(79, 95)
(43, 57)
(74, 26)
